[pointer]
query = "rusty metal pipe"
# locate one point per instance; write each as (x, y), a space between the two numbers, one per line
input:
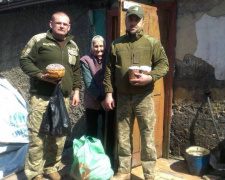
(214, 123)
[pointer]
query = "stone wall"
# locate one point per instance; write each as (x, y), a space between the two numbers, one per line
(196, 91)
(19, 25)
(198, 72)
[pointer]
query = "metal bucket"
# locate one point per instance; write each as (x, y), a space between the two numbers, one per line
(197, 160)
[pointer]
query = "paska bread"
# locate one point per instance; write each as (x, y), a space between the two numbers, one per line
(55, 71)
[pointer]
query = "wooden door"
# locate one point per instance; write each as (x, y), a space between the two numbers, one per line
(159, 22)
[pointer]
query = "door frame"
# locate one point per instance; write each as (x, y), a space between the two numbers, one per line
(111, 17)
(168, 79)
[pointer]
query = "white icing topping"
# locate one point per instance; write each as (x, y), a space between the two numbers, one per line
(55, 67)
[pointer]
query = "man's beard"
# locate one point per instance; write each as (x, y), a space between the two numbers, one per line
(132, 33)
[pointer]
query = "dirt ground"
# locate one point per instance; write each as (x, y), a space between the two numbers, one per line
(166, 169)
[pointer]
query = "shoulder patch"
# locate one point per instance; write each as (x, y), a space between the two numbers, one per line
(31, 43)
(40, 36)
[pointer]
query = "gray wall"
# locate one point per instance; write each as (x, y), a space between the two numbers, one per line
(19, 25)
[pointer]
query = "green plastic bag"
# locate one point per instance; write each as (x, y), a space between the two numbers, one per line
(90, 161)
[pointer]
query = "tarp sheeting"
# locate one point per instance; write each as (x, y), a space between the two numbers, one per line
(13, 129)
(12, 158)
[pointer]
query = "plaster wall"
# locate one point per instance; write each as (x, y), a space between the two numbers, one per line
(202, 34)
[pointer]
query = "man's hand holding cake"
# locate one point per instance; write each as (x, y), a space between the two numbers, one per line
(54, 73)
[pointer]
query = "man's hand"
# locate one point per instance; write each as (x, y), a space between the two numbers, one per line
(76, 98)
(108, 103)
(142, 79)
(45, 77)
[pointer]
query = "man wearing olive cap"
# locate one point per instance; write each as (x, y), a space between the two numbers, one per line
(135, 96)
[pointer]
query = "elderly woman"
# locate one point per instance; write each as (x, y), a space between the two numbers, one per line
(93, 69)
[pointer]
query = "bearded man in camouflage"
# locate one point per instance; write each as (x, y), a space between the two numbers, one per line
(134, 97)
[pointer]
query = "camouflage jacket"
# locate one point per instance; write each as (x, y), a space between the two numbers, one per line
(42, 50)
(127, 51)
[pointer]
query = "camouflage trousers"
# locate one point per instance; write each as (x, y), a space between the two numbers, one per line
(140, 106)
(44, 152)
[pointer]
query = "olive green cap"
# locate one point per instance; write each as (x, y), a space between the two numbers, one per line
(135, 10)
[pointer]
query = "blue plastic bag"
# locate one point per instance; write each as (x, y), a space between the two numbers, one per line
(90, 161)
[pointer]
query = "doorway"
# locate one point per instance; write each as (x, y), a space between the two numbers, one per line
(160, 22)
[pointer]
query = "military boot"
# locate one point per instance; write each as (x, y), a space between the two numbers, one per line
(38, 177)
(150, 178)
(121, 176)
(54, 176)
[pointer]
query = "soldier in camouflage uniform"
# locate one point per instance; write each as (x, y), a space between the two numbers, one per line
(55, 46)
(134, 97)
